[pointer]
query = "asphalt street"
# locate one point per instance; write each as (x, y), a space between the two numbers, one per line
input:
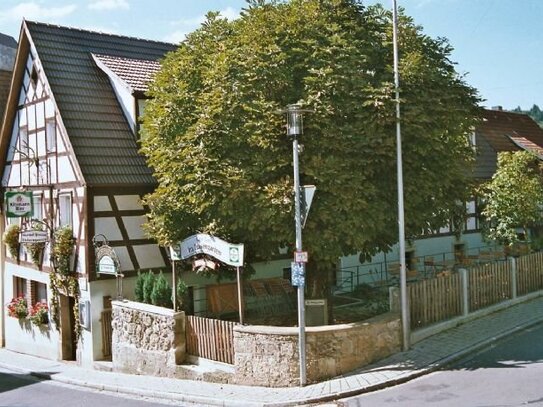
(21, 390)
(508, 373)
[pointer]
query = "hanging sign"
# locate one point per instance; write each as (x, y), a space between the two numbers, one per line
(33, 236)
(229, 253)
(107, 261)
(18, 204)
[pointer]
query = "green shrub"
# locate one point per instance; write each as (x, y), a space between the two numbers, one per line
(148, 283)
(138, 290)
(162, 293)
(182, 290)
(63, 248)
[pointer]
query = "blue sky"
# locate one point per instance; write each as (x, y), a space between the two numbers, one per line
(497, 43)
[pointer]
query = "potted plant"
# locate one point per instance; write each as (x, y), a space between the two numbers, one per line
(39, 314)
(35, 249)
(18, 308)
(11, 239)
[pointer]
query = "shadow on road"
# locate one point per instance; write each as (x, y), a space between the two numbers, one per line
(516, 351)
(12, 381)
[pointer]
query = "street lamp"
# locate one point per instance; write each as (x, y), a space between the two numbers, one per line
(295, 129)
(401, 221)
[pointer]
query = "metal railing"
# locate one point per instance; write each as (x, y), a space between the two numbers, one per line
(418, 267)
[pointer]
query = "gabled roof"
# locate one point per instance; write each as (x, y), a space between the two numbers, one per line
(99, 133)
(7, 41)
(136, 73)
(499, 126)
(504, 131)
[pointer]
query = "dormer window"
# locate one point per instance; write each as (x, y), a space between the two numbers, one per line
(140, 108)
(473, 141)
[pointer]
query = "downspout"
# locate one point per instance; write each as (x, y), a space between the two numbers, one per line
(2, 259)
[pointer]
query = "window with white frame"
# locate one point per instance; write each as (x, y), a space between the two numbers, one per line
(39, 292)
(51, 135)
(37, 206)
(23, 141)
(65, 209)
(472, 216)
(19, 287)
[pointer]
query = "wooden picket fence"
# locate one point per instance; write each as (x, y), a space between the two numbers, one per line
(489, 284)
(210, 338)
(530, 273)
(434, 300)
(441, 298)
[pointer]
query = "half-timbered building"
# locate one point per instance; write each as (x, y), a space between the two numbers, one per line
(70, 139)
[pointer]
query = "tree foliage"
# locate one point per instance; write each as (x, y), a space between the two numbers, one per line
(535, 113)
(162, 292)
(223, 162)
(513, 197)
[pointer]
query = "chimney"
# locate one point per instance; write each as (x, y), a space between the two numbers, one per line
(499, 108)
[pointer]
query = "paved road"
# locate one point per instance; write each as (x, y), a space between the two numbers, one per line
(510, 373)
(18, 390)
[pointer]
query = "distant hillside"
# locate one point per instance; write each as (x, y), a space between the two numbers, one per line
(535, 113)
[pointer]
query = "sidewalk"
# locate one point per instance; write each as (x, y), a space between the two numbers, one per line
(424, 357)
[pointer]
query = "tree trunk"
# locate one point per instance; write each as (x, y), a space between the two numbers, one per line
(320, 280)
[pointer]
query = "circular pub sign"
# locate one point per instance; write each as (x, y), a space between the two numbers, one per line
(107, 261)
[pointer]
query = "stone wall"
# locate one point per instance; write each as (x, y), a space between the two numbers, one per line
(147, 339)
(268, 356)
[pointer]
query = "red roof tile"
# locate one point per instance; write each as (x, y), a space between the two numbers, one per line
(135, 72)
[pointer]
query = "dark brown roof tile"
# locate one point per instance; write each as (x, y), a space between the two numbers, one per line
(101, 137)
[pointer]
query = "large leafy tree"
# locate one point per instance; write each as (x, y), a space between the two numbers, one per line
(223, 162)
(513, 197)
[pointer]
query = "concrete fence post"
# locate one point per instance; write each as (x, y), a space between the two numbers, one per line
(513, 278)
(394, 299)
(465, 291)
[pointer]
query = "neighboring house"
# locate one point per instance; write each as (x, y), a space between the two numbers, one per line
(498, 131)
(8, 49)
(70, 137)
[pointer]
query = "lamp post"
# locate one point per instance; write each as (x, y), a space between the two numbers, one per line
(295, 129)
(401, 221)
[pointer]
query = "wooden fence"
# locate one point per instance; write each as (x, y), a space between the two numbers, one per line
(489, 284)
(210, 338)
(529, 273)
(106, 332)
(434, 300)
(441, 298)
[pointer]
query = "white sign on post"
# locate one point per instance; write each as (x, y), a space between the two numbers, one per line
(231, 254)
(301, 257)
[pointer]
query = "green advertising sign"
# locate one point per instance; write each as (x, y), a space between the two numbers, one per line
(19, 204)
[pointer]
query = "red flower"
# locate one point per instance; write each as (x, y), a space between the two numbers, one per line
(18, 308)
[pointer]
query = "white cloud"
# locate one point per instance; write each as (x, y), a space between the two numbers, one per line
(176, 36)
(109, 5)
(230, 13)
(34, 11)
(190, 24)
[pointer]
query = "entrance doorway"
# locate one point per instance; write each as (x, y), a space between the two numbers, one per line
(67, 325)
